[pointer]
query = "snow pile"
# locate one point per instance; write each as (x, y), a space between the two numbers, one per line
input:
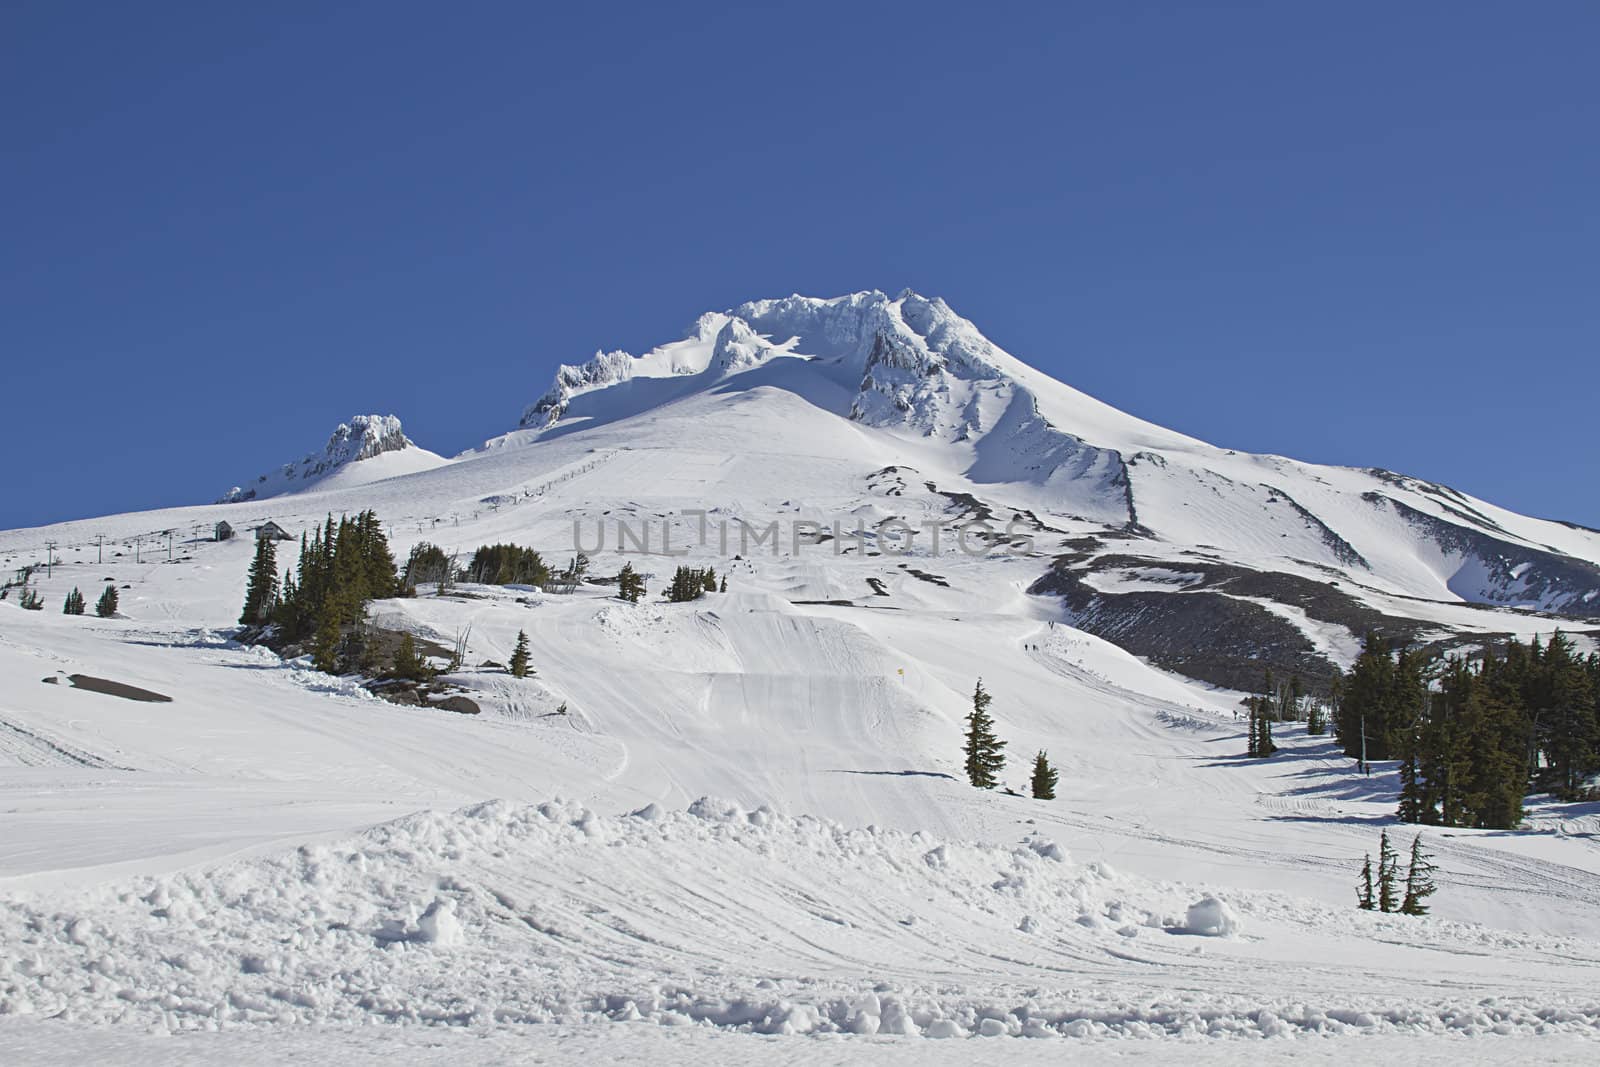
(439, 925)
(1211, 917)
(506, 913)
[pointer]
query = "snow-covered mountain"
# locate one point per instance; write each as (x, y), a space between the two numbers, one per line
(274, 845)
(1154, 537)
(1271, 553)
(368, 448)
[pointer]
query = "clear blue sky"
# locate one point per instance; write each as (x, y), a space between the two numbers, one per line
(1350, 233)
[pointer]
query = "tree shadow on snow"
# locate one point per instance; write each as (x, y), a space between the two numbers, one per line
(897, 774)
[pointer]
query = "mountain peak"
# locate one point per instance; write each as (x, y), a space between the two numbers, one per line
(364, 437)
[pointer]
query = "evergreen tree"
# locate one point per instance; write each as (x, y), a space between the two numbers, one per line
(630, 586)
(1419, 881)
(29, 599)
(1259, 744)
(1565, 710)
(106, 606)
(1044, 778)
(261, 593)
(1364, 899)
(1432, 753)
(382, 580)
(74, 604)
(984, 751)
(1410, 790)
(709, 580)
(1496, 777)
(724, 587)
(520, 657)
(407, 664)
(1365, 695)
(1388, 871)
(1316, 718)
(325, 643)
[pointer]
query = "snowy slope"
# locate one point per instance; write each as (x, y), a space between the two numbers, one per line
(275, 848)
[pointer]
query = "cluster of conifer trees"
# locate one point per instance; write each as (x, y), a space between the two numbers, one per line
(1474, 737)
(428, 563)
(1386, 893)
(1260, 744)
(29, 598)
(324, 597)
(691, 583)
(507, 565)
(1282, 701)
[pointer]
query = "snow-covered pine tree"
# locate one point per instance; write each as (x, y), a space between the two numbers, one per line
(1364, 888)
(724, 587)
(519, 656)
(106, 606)
(30, 599)
(1419, 880)
(1388, 871)
(1044, 778)
(74, 603)
(985, 757)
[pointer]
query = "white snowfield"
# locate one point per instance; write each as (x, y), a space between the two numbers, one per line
(748, 838)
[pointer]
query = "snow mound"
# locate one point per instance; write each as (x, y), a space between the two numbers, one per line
(716, 916)
(1211, 917)
(588, 910)
(439, 925)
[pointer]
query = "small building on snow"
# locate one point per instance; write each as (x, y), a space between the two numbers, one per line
(270, 530)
